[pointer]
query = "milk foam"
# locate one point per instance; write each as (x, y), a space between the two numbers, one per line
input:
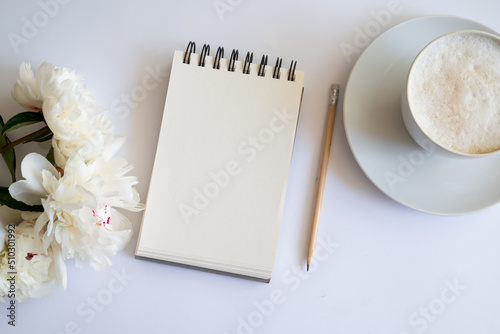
(454, 92)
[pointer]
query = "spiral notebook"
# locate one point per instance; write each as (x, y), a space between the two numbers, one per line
(219, 179)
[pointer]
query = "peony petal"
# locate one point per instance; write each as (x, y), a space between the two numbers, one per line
(28, 192)
(9, 216)
(26, 73)
(41, 221)
(27, 215)
(43, 290)
(31, 190)
(25, 90)
(45, 77)
(59, 157)
(49, 182)
(3, 233)
(25, 97)
(112, 147)
(33, 164)
(61, 272)
(6, 215)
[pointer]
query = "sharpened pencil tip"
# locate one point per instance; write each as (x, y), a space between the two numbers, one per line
(307, 267)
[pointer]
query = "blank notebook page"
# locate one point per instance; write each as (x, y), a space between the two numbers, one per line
(219, 179)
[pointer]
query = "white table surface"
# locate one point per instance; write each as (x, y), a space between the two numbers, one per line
(381, 267)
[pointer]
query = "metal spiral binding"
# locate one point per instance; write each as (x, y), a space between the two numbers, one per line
(248, 61)
(291, 72)
(191, 48)
(218, 55)
(277, 68)
(262, 66)
(205, 51)
(232, 60)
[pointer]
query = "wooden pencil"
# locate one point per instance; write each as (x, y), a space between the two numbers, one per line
(323, 167)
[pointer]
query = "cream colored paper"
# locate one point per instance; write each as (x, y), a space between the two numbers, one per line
(219, 179)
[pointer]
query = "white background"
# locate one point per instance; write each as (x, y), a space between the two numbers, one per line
(385, 268)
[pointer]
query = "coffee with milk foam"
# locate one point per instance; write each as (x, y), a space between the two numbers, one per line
(454, 92)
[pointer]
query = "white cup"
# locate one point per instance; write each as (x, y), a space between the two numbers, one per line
(427, 90)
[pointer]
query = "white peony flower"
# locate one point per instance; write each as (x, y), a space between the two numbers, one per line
(75, 204)
(79, 197)
(36, 269)
(53, 87)
(68, 109)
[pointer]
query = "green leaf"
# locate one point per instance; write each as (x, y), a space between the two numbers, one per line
(9, 156)
(50, 156)
(22, 119)
(7, 200)
(42, 136)
(48, 137)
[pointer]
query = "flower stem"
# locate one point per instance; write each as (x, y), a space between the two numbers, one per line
(23, 139)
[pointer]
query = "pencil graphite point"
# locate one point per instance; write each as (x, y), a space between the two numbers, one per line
(307, 267)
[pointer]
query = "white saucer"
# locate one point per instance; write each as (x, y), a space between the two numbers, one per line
(378, 137)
